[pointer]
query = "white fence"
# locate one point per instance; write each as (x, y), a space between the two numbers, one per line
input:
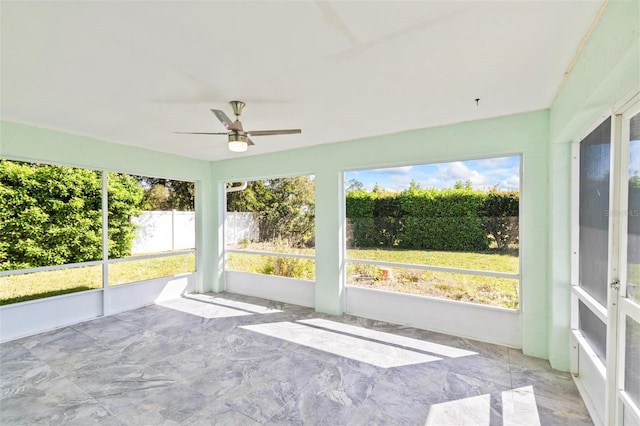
(164, 231)
(239, 226)
(160, 231)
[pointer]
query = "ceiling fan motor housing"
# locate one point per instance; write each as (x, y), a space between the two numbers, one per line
(237, 136)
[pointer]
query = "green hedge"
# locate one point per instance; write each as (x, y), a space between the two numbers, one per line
(500, 212)
(431, 219)
(52, 215)
(443, 220)
(360, 205)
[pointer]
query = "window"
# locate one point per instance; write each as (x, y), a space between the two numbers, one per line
(157, 238)
(50, 218)
(52, 229)
(447, 230)
(270, 227)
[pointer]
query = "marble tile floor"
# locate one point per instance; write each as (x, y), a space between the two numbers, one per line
(235, 360)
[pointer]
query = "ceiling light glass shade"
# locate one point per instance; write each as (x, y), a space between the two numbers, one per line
(238, 146)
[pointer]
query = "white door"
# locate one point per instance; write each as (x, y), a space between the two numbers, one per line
(606, 268)
(627, 392)
(593, 299)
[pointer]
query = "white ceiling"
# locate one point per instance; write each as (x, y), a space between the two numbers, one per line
(135, 72)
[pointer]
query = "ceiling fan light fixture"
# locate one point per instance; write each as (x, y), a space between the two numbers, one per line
(238, 146)
(239, 139)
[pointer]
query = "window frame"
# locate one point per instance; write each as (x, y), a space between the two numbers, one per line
(495, 274)
(227, 250)
(105, 261)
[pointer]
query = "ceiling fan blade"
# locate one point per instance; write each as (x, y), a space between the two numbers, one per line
(220, 115)
(249, 141)
(273, 132)
(201, 133)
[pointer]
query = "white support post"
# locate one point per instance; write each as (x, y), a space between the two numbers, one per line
(105, 242)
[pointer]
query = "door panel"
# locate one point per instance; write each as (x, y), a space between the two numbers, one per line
(593, 330)
(628, 386)
(632, 360)
(633, 212)
(591, 268)
(606, 268)
(595, 165)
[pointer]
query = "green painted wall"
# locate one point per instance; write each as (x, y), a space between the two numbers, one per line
(525, 134)
(606, 72)
(27, 143)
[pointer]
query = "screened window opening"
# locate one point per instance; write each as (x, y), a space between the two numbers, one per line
(157, 237)
(447, 230)
(270, 227)
(52, 229)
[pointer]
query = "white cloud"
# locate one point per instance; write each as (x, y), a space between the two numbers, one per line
(451, 173)
(512, 182)
(483, 174)
(399, 182)
(404, 170)
(493, 163)
(455, 170)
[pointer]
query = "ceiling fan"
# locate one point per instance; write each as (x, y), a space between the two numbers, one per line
(239, 139)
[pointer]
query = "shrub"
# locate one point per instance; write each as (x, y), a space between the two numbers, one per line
(288, 267)
(458, 219)
(52, 215)
(361, 230)
(443, 220)
(500, 217)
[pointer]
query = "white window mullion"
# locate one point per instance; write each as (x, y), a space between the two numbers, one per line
(105, 242)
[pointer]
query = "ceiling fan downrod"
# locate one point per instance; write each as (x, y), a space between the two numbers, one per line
(237, 107)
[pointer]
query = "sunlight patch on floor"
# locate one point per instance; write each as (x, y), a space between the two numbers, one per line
(202, 309)
(358, 349)
(394, 339)
(468, 411)
(519, 407)
(249, 307)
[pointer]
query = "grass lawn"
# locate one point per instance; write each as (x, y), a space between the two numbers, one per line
(471, 288)
(19, 288)
(501, 292)
(146, 269)
(484, 261)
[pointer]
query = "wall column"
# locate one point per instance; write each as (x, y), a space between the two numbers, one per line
(329, 189)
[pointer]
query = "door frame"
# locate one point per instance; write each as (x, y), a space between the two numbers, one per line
(609, 375)
(626, 307)
(584, 361)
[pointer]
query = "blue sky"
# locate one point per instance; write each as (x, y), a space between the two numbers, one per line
(487, 173)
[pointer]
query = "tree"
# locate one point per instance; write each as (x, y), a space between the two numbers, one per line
(52, 215)
(387, 218)
(354, 185)
(414, 186)
(500, 212)
(251, 199)
(167, 194)
(125, 199)
(285, 207)
(463, 185)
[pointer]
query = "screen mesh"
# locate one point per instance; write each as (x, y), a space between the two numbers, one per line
(633, 214)
(595, 152)
(632, 360)
(594, 330)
